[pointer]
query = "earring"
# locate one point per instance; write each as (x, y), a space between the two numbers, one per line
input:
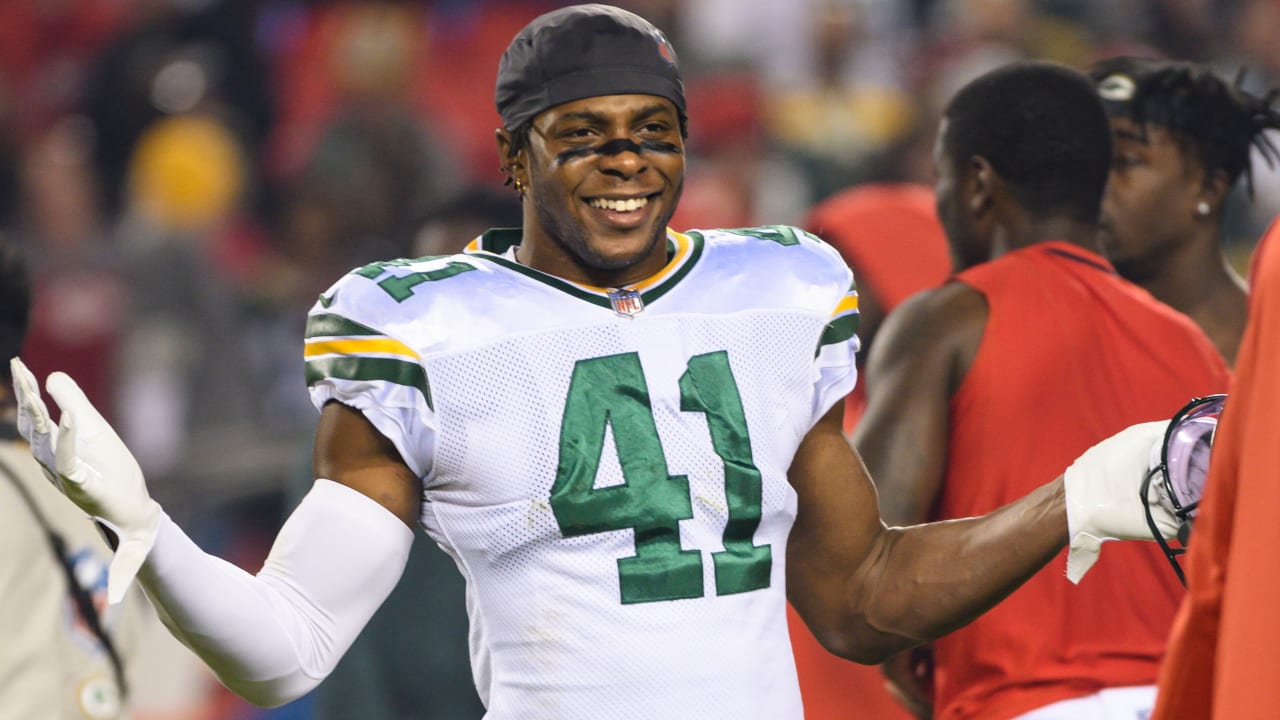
(518, 186)
(1202, 209)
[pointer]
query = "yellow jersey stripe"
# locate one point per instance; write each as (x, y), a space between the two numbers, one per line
(847, 303)
(384, 346)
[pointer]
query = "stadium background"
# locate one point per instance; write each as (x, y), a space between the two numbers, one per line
(186, 176)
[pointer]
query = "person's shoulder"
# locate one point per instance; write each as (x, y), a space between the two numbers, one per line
(945, 305)
(775, 246)
(385, 290)
(953, 315)
(763, 236)
(778, 264)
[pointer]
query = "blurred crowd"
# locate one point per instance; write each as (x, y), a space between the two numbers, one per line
(186, 176)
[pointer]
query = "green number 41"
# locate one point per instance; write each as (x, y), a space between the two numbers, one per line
(611, 390)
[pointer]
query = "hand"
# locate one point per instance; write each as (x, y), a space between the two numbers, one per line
(87, 462)
(33, 419)
(1103, 504)
(908, 676)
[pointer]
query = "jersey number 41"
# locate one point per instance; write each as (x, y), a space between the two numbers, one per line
(612, 390)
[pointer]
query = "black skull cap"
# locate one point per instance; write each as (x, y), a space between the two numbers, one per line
(584, 51)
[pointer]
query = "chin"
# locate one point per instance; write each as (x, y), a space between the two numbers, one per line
(1113, 249)
(620, 253)
(614, 261)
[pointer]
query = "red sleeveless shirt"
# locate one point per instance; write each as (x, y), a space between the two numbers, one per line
(1070, 355)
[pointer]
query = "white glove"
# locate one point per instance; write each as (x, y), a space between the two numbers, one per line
(1102, 495)
(87, 462)
(33, 419)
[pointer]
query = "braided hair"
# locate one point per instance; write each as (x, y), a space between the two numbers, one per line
(1213, 120)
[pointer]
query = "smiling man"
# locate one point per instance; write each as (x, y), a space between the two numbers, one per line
(629, 438)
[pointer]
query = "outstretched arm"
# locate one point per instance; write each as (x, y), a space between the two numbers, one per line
(273, 636)
(868, 591)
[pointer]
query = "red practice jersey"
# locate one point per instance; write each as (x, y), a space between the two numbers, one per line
(1071, 354)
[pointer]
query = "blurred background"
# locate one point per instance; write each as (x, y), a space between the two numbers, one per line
(186, 176)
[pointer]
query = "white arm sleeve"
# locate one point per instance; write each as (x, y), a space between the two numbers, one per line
(272, 637)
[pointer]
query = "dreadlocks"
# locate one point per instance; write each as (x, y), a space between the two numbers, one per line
(1210, 119)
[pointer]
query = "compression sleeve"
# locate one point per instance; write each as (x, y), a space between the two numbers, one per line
(272, 637)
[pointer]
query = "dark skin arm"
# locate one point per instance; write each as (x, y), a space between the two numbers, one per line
(350, 450)
(926, 347)
(924, 350)
(868, 591)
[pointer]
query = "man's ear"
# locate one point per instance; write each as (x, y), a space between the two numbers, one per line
(980, 183)
(1213, 191)
(511, 164)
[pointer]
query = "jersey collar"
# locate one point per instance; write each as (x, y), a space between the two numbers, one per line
(683, 250)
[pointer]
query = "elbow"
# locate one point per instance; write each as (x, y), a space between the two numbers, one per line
(271, 693)
(865, 655)
(858, 642)
(865, 650)
(857, 652)
(870, 633)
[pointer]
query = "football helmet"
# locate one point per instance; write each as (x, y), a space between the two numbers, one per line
(1179, 466)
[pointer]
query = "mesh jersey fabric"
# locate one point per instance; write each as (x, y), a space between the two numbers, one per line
(613, 488)
(1070, 354)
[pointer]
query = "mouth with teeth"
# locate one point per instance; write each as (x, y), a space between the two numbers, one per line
(622, 212)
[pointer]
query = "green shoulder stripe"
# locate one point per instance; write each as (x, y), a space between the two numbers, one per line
(374, 270)
(397, 372)
(330, 325)
(839, 330)
(782, 234)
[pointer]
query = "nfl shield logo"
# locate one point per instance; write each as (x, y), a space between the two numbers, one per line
(625, 302)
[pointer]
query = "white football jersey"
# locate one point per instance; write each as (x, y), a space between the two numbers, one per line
(607, 468)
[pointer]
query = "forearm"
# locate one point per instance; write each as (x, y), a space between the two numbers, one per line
(927, 580)
(274, 636)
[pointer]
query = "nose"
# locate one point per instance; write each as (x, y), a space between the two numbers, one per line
(622, 157)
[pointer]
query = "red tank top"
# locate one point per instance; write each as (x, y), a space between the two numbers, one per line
(1070, 355)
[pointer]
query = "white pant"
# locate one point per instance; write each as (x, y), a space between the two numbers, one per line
(1122, 703)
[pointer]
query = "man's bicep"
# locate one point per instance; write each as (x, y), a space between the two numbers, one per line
(349, 450)
(903, 434)
(837, 526)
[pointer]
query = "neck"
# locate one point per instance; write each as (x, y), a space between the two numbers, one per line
(1195, 278)
(1197, 281)
(1024, 232)
(541, 251)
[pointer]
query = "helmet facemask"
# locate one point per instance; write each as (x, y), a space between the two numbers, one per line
(1179, 467)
